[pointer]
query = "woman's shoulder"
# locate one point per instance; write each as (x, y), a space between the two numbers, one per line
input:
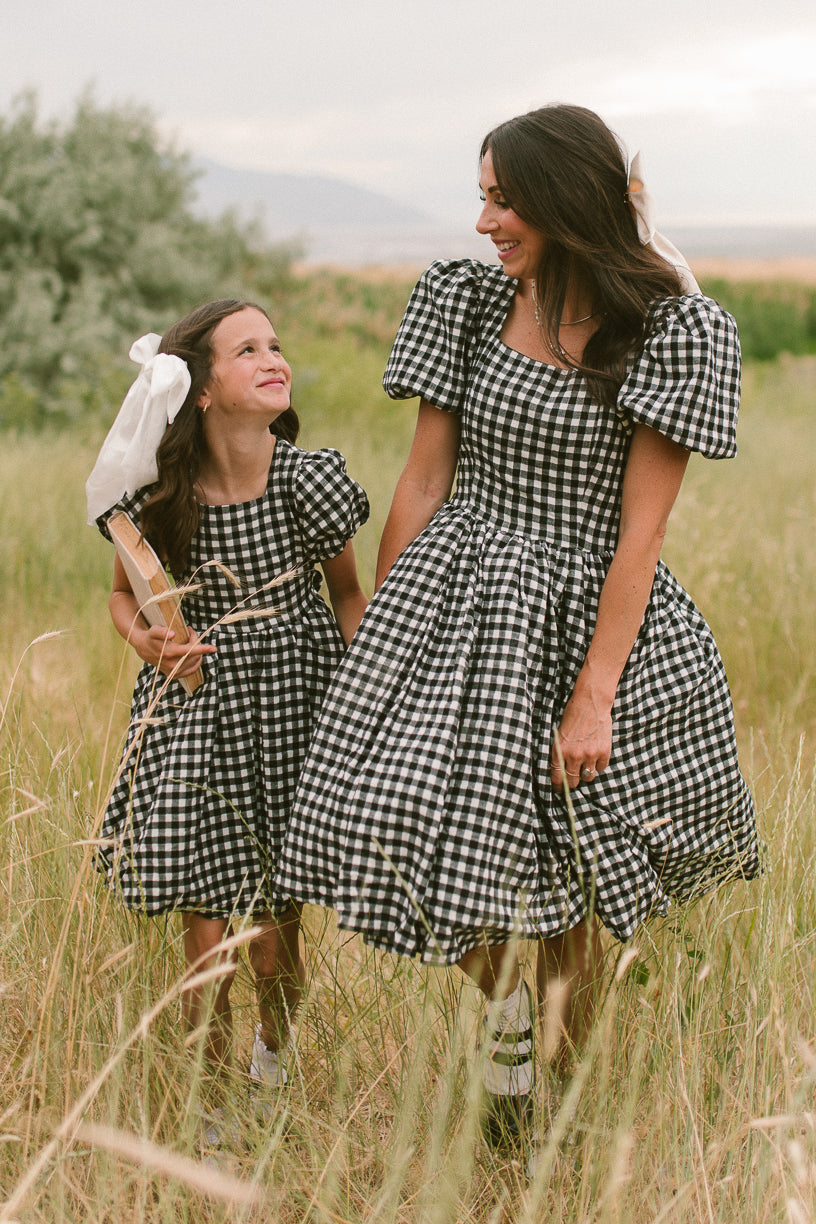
(692, 333)
(685, 380)
(453, 276)
(691, 313)
(453, 300)
(457, 294)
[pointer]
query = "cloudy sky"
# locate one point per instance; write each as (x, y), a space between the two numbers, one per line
(720, 95)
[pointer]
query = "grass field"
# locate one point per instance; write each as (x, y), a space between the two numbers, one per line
(694, 1100)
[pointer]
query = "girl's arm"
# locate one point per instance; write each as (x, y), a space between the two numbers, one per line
(347, 599)
(424, 485)
(152, 643)
(654, 472)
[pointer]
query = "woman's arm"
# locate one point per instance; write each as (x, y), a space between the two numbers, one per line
(654, 473)
(424, 485)
(152, 643)
(347, 599)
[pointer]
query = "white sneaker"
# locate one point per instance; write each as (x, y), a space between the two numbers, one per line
(267, 1076)
(220, 1139)
(213, 1128)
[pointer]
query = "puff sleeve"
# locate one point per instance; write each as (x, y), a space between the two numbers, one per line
(430, 353)
(130, 504)
(330, 505)
(685, 382)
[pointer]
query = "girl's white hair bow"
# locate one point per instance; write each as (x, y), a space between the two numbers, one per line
(642, 204)
(127, 460)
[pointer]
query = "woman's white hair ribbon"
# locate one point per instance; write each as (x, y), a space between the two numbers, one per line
(643, 206)
(127, 460)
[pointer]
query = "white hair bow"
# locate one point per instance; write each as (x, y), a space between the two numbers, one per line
(643, 206)
(127, 460)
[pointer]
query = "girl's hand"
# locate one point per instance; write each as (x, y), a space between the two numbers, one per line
(345, 594)
(157, 645)
(583, 741)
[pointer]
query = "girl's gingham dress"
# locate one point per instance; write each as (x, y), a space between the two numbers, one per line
(425, 814)
(198, 811)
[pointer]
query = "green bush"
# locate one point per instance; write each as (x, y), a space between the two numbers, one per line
(773, 317)
(98, 243)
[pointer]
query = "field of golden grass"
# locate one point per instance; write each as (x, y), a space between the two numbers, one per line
(694, 1099)
(796, 269)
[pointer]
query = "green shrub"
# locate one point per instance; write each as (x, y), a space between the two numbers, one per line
(99, 243)
(773, 317)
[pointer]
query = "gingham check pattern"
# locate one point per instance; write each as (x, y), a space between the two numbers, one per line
(198, 812)
(425, 813)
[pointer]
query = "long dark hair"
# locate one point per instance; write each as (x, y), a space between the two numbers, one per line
(170, 518)
(562, 171)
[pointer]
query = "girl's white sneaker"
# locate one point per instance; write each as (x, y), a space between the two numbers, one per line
(267, 1076)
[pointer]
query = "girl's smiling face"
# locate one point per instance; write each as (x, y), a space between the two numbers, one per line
(248, 372)
(518, 245)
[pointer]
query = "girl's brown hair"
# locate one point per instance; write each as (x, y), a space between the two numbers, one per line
(170, 518)
(562, 171)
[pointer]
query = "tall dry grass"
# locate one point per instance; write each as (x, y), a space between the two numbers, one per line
(694, 1100)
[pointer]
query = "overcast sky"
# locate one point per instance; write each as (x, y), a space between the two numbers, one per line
(720, 95)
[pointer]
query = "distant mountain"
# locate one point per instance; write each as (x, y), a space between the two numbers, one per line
(334, 221)
(289, 204)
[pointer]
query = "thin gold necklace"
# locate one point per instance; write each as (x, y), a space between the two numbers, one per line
(563, 323)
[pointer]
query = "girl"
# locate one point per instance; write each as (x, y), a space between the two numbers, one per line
(533, 729)
(200, 805)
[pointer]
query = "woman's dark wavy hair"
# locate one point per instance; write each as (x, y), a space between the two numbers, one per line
(170, 518)
(562, 171)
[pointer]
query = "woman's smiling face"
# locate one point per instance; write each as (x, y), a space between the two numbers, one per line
(518, 245)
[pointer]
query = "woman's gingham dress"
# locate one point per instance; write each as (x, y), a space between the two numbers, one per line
(199, 809)
(425, 813)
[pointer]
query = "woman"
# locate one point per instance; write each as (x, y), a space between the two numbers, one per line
(533, 730)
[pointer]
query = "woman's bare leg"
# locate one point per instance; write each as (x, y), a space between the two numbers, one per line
(509, 1070)
(494, 970)
(567, 975)
(280, 975)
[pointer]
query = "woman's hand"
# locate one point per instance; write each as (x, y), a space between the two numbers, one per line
(583, 742)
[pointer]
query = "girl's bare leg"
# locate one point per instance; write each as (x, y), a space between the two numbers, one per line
(209, 1003)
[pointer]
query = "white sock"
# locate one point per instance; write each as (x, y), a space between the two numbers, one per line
(509, 1069)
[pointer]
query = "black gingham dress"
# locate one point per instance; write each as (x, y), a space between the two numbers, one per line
(425, 813)
(197, 815)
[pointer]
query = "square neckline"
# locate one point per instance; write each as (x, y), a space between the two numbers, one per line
(250, 501)
(547, 365)
(512, 284)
